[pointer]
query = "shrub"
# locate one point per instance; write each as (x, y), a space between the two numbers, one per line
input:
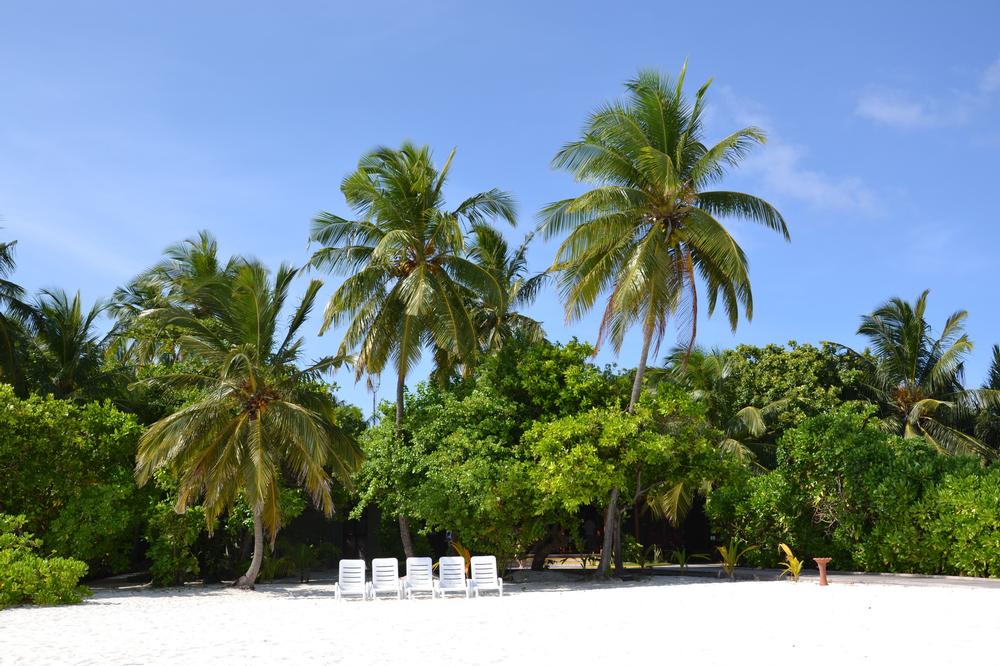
(28, 578)
(846, 489)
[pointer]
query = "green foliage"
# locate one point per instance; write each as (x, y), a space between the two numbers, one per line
(844, 488)
(67, 468)
(731, 554)
(28, 578)
(792, 566)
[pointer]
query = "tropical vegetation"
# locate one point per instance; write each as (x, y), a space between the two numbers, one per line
(180, 430)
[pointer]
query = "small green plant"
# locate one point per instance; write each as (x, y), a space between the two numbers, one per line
(792, 565)
(731, 555)
(632, 550)
(654, 554)
(28, 578)
(680, 557)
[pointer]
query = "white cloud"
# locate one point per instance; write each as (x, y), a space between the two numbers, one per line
(898, 109)
(991, 78)
(783, 167)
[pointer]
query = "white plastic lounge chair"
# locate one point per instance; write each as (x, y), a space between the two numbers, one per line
(351, 580)
(484, 575)
(451, 576)
(385, 578)
(419, 577)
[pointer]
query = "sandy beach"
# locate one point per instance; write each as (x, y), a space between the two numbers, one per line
(552, 619)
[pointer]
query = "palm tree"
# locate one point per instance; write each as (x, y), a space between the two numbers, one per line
(13, 317)
(988, 419)
(65, 335)
(650, 226)
(260, 415)
(408, 273)
(190, 275)
(496, 314)
(917, 378)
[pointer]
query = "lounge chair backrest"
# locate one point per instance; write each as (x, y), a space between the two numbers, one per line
(385, 573)
(484, 570)
(451, 573)
(352, 576)
(419, 573)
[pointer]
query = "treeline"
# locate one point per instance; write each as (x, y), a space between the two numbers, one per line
(193, 432)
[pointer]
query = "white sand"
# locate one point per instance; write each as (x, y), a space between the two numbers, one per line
(658, 621)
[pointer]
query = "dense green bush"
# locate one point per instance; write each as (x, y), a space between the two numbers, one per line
(67, 468)
(28, 578)
(846, 489)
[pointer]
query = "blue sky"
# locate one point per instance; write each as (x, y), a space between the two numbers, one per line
(125, 127)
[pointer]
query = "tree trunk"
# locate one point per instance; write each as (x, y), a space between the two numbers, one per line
(247, 580)
(404, 522)
(545, 545)
(610, 527)
(640, 371)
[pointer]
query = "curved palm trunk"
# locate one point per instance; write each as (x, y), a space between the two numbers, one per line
(247, 580)
(611, 546)
(404, 522)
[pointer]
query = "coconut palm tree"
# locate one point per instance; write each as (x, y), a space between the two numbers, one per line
(917, 378)
(498, 319)
(67, 339)
(496, 315)
(191, 275)
(988, 419)
(261, 416)
(13, 316)
(650, 227)
(408, 272)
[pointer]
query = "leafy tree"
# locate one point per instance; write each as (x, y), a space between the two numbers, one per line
(753, 394)
(27, 577)
(408, 273)
(917, 378)
(650, 226)
(259, 416)
(847, 489)
(67, 467)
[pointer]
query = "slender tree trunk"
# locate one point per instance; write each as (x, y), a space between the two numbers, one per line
(404, 522)
(640, 371)
(610, 527)
(612, 546)
(247, 580)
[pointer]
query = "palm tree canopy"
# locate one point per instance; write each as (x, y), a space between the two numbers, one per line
(918, 378)
(66, 335)
(260, 414)
(405, 255)
(496, 315)
(651, 225)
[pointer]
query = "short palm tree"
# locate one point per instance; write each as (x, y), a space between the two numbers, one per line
(14, 313)
(191, 275)
(497, 315)
(405, 256)
(67, 338)
(650, 227)
(260, 417)
(917, 378)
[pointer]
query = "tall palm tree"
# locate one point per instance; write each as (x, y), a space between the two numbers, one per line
(408, 273)
(13, 317)
(260, 417)
(917, 378)
(650, 226)
(66, 336)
